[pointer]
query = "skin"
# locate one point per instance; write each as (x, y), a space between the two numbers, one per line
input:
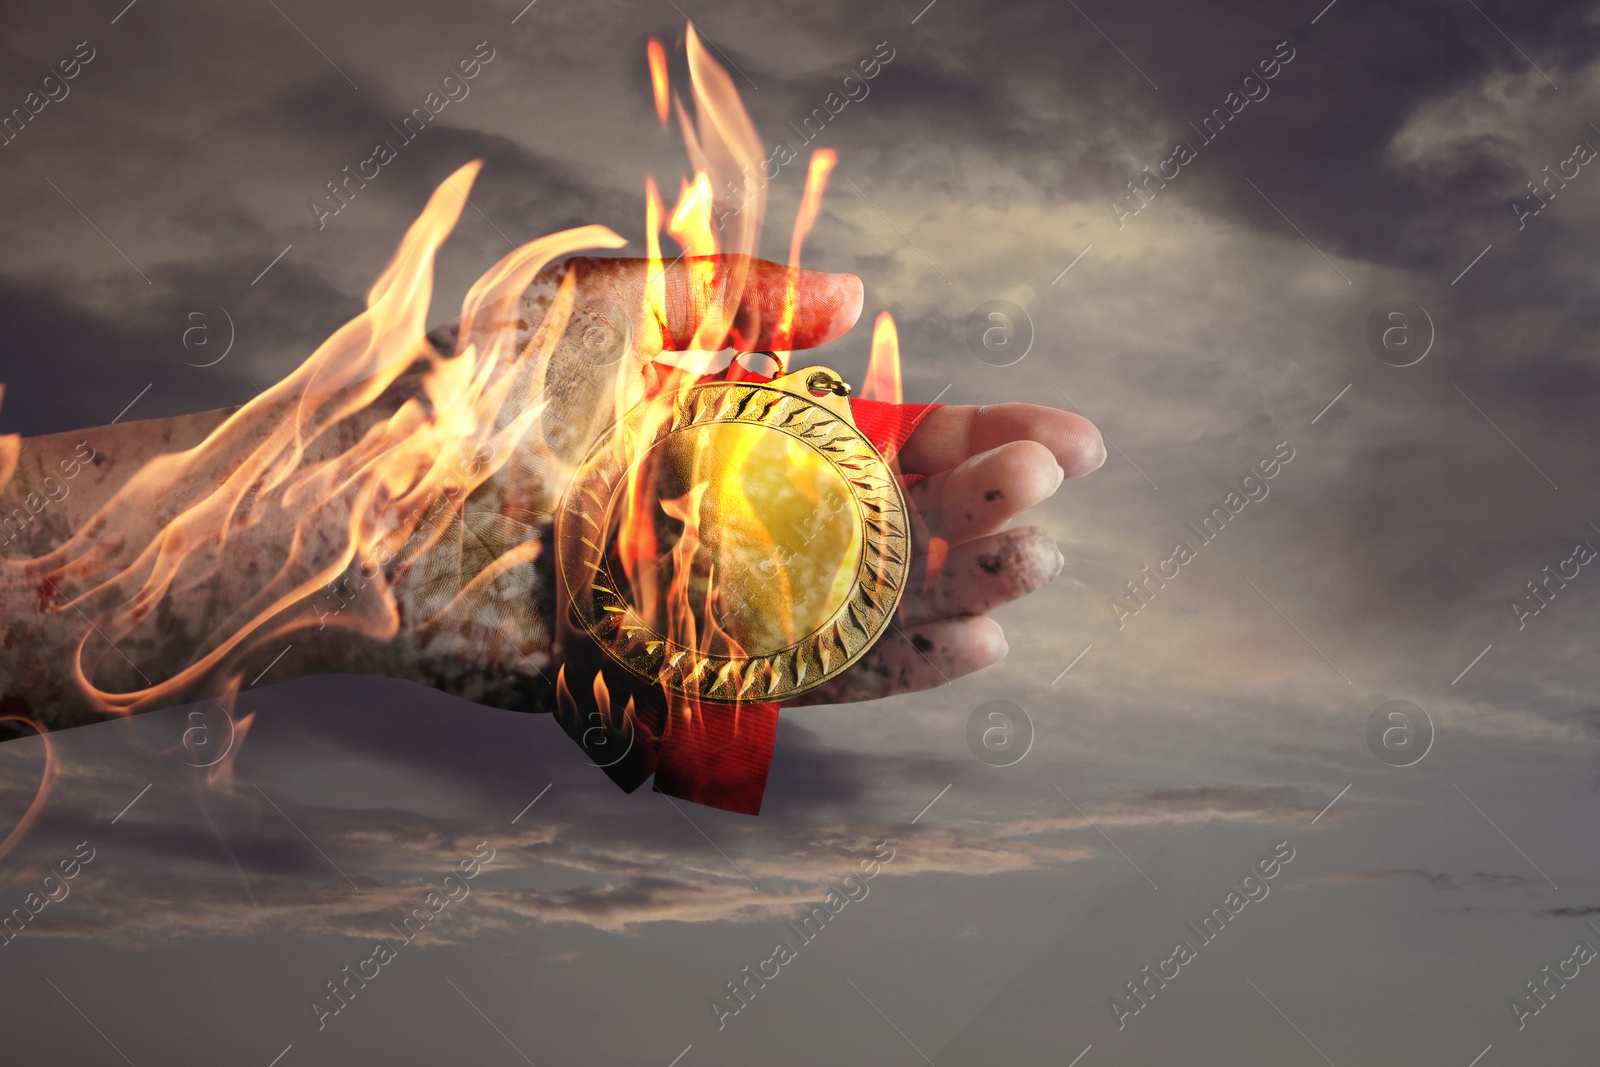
(983, 467)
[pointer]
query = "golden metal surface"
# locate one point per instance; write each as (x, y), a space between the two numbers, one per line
(736, 541)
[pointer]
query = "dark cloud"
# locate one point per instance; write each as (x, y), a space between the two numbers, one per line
(1432, 879)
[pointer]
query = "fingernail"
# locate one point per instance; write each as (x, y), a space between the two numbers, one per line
(1061, 476)
(1061, 561)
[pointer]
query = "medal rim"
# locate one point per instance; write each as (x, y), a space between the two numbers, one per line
(841, 640)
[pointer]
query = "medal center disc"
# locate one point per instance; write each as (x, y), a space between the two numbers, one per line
(734, 539)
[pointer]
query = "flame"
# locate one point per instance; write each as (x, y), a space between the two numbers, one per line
(655, 298)
(723, 146)
(368, 497)
(602, 694)
(822, 164)
(690, 224)
(564, 699)
(601, 718)
(823, 161)
(47, 777)
(222, 773)
(658, 77)
(883, 369)
(10, 450)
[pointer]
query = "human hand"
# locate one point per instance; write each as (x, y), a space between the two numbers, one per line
(984, 466)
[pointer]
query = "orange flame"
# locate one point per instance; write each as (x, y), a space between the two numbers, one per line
(883, 369)
(717, 211)
(690, 224)
(368, 497)
(46, 778)
(658, 77)
(223, 772)
(723, 146)
(602, 694)
(822, 163)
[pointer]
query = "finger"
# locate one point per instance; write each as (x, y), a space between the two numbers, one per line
(739, 298)
(950, 435)
(977, 577)
(985, 492)
(911, 659)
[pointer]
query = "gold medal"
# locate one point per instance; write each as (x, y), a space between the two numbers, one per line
(735, 541)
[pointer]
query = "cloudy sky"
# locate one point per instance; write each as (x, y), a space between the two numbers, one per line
(1228, 320)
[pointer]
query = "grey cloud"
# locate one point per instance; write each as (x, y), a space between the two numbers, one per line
(1433, 879)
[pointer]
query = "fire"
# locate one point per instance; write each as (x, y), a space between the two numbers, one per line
(368, 496)
(822, 164)
(47, 777)
(223, 771)
(690, 224)
(883, 369)
(606, 723)
(356, 486)
(823, 160)
(658, 77)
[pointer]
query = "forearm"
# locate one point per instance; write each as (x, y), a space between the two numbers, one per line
(461, 596)
(64, 486)
(60, 482)
(298, 575)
